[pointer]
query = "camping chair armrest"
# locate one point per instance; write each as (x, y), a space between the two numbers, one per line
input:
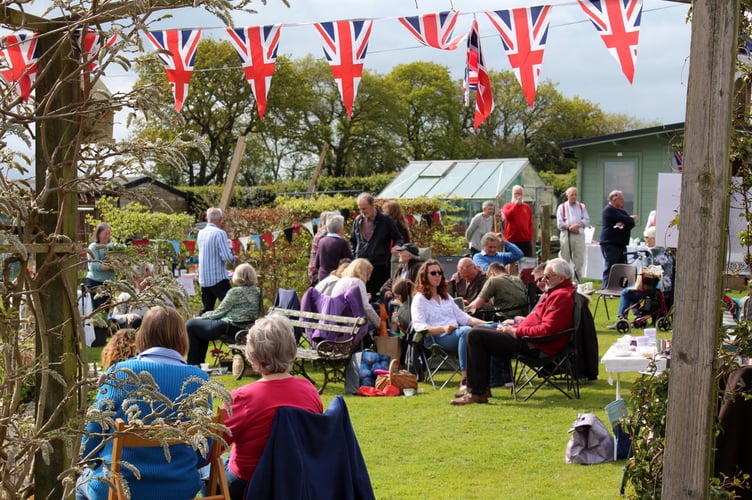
(548, 338)
(240, 337)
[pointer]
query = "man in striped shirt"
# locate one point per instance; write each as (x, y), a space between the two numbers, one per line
(572, 218)
(214, 254)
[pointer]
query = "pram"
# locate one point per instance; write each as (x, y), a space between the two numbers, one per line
(651, 306)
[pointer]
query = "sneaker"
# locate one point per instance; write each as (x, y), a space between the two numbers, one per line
(611, 327)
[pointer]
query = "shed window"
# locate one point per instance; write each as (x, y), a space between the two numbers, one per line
(621, 175)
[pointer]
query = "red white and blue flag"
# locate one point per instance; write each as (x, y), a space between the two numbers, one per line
(524, 32)
(345, 44)
(18, 61)
(471, 62)
(177, 49)
(618, 23)
(434, 30)
(484, 102)
(91, 44)
(257, 48)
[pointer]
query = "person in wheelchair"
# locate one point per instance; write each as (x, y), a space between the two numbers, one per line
(652, 291)
(552, 314)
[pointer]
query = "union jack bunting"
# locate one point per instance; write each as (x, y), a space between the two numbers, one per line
(523, 32)
(618, 23)
(345, 44)
(177, 49)
(484, 102)
(471, 64)
(434, 30)
(257, 48)
(91, 43)
(18, 61)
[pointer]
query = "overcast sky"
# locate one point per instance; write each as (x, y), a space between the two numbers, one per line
(575, 59)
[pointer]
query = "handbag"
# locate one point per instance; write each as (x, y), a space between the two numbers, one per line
(401, 379)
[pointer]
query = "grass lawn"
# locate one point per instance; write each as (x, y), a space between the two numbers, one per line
(422, 446)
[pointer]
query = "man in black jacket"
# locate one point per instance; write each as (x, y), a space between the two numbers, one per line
(373, 237)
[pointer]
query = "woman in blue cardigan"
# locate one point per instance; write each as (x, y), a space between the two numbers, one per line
(162, 342)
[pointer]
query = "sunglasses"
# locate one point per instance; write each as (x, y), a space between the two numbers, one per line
(436, 273)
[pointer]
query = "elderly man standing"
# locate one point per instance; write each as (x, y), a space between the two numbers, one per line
(468, 281)
(572, 218)
(616, 228)
(373, 237)
(480, 224)
(214, 254)
(553, 314)
(490, 244)
(518, 222)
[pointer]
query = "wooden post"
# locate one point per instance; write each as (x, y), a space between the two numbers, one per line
(232, 174)
(701, 260)
(544, 218)
(317, 172)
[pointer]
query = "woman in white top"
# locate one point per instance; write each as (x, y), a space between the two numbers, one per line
(438, 315)
(357, 274)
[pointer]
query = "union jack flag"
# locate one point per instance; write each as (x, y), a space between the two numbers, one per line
(484, 102)
(471, 64)
(523, 32)
(91, 43)
(618, 22)
(177, 49)
(345, 44)
(434, 30)
(257, 48)
(18, 61)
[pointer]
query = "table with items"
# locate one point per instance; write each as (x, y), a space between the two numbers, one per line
(619, 359)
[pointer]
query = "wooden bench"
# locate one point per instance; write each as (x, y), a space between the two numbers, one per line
(330, 356)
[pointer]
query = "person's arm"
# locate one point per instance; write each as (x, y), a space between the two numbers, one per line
(585, 214)
(471, 228)
(513, 253)
(354, 235)
(419, 313)
(560, 213)
(371, 313)
(555, 317)
(393, 233)
(223, 248)
(230, 300)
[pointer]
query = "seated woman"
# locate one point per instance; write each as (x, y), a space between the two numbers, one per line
(270, 349)
(552, 314)
(326, 285)
(237, 311)
(162, 342)
(357, 274)
(436, 313)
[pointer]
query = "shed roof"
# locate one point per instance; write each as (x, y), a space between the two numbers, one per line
(619, 136)
(465, 179)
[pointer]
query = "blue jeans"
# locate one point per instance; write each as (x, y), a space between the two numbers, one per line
(628, 298)
(454, 341)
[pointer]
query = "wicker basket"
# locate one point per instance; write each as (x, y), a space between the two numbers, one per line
(401, 379)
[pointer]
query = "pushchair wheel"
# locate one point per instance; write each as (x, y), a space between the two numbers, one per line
(663, 323)
(622, 326)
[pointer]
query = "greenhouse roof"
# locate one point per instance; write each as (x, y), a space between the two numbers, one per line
(465, 179)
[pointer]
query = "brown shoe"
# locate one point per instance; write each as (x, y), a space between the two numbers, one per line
(461, 392)
(470, 398)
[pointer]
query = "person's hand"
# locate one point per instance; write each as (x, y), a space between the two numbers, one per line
(635, 217)
(388, 295)
(450, 328)
(574, 229)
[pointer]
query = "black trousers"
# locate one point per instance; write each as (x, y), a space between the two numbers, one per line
(482, 344)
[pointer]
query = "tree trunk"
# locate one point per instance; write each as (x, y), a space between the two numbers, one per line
(56, 343)
(702, 249)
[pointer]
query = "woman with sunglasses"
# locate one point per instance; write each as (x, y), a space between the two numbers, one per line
(436, 314)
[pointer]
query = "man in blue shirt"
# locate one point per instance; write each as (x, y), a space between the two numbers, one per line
(491, 243)
(214, 254)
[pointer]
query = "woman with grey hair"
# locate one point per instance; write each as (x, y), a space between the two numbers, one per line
(270, 349)
(237, 311)
(332, 248)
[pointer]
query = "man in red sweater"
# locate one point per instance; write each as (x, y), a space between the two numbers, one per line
(518, 222)
(552, 314)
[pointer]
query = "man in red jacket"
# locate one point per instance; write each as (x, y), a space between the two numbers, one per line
(518, 222)
(553, 314)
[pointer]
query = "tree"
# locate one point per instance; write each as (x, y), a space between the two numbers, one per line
(428, 111)
(218, 109)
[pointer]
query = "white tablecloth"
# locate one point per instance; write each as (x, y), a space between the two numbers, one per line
(632, 363)
(594, 260)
